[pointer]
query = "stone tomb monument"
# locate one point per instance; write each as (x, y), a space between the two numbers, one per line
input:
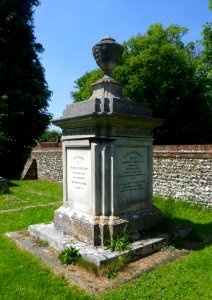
(107, 162)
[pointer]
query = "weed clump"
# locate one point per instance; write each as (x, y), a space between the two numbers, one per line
(42, 243)
(69, 255)
(111, 273)
(119, 243)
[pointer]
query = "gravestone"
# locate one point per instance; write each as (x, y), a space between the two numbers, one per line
(107, 162)
(3, 186)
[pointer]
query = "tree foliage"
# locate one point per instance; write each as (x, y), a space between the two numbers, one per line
(24, 93)
(159, 69)
(50, 136)
(83, 85)
(205, 64)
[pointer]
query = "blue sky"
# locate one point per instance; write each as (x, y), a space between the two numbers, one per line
(68, 29)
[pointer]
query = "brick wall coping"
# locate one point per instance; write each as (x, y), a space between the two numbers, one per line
(46, 150)
(183, 148)
(178, 151)
(48, 145)
(189, 151)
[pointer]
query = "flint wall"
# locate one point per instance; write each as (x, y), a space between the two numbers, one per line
(184, 172)
(179, 171)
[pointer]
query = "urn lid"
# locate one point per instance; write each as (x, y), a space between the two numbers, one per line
(107, 54)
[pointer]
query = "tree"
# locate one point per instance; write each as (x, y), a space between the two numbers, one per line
(24, 93)
(83, 85)
(205, 63)
(206, 59)
(159, 69)
(50, 136)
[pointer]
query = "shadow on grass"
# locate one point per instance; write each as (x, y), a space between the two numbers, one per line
(199, 237)
(12, 184)
(184, 214)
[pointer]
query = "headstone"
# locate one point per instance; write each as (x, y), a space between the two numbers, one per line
(3, 186)
(107, 160)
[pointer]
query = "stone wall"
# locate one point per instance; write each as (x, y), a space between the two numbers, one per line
(184, 172)
(48, 158)
(179, 171)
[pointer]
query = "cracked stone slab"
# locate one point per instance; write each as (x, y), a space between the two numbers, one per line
(96, 254)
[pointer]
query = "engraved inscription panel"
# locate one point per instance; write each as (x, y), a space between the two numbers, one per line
(133, 174)
(79, 177)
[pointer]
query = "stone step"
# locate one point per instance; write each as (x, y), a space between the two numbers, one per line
(95, 254)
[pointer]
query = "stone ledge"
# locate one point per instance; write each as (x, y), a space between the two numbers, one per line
(96, 254)
(106, 105)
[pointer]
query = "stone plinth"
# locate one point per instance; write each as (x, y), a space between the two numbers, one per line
(95, 254)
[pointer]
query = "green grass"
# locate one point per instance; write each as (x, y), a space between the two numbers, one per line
(30, 192)
(189, 277)
(185, 278)
(185, 214)
(23, 276)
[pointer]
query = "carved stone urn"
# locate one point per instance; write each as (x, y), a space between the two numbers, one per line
(107, 54)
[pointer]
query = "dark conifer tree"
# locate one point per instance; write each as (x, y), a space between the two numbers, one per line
(24, 93)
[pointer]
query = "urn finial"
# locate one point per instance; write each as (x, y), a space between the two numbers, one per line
(107, 54)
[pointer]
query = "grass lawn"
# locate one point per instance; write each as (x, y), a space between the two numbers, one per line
(23, 276)
(189, 277)
(30, 192)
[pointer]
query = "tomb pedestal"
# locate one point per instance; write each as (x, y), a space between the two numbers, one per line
(107, 161)
(107, 169)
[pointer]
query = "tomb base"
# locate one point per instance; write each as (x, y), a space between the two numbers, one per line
(98, 255)
(99, 229)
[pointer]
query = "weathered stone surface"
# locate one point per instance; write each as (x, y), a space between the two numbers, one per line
(107, 185)
(106, 88)
(104, 112)
(97, 255)
(3, 186)
(96, 230)
(107, 54)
